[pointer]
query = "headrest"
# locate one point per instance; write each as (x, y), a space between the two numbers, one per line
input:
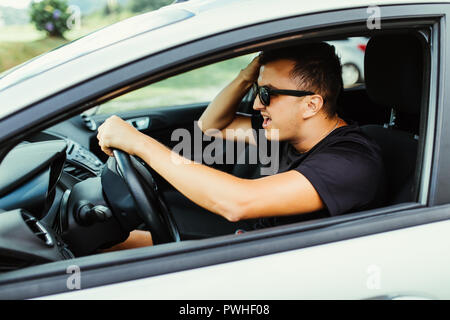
(393, 71)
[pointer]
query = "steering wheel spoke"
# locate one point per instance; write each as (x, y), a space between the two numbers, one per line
(150, 205)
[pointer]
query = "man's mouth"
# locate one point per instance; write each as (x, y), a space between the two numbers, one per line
(267, 121)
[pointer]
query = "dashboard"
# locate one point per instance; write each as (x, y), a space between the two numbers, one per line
(36, 178)
(28, 181)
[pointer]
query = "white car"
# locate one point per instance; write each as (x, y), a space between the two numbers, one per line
(62, 201)
(351, 52)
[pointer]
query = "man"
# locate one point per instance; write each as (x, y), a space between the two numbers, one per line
(327, 167)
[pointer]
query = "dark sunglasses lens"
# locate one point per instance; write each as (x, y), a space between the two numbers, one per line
(264, 96)
(262, 93)
(254, 91)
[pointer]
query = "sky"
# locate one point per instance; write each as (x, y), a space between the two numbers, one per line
(18, 4)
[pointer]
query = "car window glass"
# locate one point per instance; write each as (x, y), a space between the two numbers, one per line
(202, 85)
(196, 86)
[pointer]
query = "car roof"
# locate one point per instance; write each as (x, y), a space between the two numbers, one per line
(142, 35)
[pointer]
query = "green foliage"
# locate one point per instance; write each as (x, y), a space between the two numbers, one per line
(50, 16)
(148, 5)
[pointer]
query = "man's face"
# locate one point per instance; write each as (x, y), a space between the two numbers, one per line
(284, 113)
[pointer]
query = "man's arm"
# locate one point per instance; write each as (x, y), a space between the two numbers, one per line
(221, 112)
(219, 192)
(231, 197)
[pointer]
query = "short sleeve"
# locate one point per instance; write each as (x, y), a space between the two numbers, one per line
(346, 175)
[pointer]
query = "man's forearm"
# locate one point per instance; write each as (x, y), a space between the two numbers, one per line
(228, 196)
(221, 111)
(211, 189)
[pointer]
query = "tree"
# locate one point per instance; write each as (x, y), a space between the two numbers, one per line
(50, 16)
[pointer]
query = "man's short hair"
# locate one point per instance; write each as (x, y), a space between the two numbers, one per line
(317, 68)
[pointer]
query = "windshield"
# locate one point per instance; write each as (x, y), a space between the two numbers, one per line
(94, 41)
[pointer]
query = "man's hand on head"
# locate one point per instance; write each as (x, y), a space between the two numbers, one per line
(251, 72)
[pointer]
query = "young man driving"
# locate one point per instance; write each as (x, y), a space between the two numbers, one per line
(327, 167)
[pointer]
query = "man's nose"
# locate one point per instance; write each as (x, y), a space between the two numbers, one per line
(257, 105)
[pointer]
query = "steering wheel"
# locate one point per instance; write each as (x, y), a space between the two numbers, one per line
(150, 205)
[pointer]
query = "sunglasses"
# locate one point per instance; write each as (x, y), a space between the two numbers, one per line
(265, 92)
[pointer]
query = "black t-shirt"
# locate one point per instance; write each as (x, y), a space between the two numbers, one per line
(345, 168)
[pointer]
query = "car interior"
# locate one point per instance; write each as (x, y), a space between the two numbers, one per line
(75, 201)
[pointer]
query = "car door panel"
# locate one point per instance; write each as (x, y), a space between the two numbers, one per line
(304, 265)
(377, 270)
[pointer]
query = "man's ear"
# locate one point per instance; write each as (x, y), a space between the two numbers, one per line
(313, 105)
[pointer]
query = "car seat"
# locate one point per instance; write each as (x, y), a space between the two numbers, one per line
(394, 79)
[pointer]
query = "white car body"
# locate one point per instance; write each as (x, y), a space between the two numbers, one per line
(378, 270)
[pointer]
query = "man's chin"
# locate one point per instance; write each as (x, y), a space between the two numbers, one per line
(272, 134)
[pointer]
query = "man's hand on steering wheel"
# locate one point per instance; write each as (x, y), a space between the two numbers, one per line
(116, 133)
(117, 138)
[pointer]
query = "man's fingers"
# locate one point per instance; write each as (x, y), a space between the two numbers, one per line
(103, 147)
(107, 150)
(256, 60)
(113, 133)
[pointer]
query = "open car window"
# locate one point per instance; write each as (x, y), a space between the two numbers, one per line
(202, 84)
(196, 86)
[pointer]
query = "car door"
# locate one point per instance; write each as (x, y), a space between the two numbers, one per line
(362, 255)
